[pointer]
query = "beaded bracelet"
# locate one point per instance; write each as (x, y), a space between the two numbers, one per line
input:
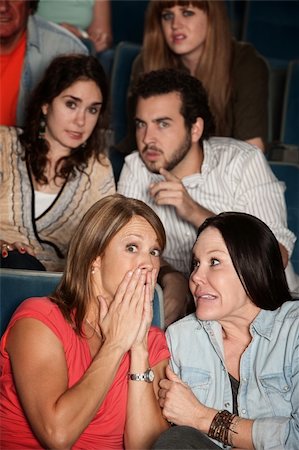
(220, 426)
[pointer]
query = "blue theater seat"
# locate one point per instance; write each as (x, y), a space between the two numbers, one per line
(17, 285)
(124, 56)
(289, 174)
(290, 114)
(273, 28)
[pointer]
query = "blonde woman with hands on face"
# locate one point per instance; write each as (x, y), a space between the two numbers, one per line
(81, 368)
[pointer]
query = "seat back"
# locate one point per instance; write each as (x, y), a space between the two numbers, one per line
(289, 174)
(127, 19)
(125, 53)
(17, 285)
(290, 114)
(273, 28)
(277, 83)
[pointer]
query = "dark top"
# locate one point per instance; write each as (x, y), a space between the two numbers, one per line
(235, 387)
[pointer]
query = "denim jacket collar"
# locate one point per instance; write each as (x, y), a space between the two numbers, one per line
(262, 324)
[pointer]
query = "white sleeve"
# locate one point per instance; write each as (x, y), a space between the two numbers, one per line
(260, 193)
(132, 180)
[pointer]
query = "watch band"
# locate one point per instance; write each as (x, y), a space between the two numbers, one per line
(147, 376)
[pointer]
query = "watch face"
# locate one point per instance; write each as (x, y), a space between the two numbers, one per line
(150, 375)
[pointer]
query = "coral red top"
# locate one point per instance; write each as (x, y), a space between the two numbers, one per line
(107, 428)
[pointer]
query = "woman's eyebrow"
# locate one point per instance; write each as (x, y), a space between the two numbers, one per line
(78, 99)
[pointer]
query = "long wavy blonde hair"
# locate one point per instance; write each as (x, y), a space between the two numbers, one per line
(214, 66)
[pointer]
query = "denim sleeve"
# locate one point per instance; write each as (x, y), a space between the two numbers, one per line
(281, 433)
(270, 433)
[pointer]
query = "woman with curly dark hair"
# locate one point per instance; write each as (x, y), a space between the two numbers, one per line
(55, 169)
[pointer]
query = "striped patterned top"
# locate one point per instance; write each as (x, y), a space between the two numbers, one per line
(235, 176)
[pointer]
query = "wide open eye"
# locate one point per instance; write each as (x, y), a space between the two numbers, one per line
(132, 248)
(156, 252)
(214, 262)
(195, 264)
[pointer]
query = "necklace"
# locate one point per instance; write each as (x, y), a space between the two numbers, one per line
(99, 334)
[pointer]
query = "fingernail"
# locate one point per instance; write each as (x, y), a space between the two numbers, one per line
(4, 253)
(22, 250)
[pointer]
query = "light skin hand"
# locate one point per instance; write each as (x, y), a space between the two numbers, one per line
(180, 405)
(100, 29)
(258, 142)
(147, 317)
(101, 40)
(172, 192)
(18, 245)
(120, 322)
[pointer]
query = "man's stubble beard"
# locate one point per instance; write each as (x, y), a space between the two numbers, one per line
(177, 156)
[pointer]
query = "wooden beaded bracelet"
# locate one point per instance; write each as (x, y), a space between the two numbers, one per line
(220, 426)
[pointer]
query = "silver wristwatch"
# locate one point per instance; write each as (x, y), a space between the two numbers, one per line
(147, 376)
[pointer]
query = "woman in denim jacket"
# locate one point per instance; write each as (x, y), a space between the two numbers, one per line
(234, 377)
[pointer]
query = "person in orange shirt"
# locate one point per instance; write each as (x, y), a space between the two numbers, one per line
(28, 44)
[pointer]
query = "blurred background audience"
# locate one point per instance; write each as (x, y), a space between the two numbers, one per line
(89, 20)
(28, 44)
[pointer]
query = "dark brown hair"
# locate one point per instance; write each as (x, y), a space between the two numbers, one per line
(62, 72)
(193, 95)
(256, 256)
(33, 5)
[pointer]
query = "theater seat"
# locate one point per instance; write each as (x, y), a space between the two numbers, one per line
(124, 56)
(289, 174)
(273, 27)
(17, 285)
(290, 115)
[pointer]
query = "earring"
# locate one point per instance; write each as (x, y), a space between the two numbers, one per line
(92, 271)
(84, 144)
(42, 128)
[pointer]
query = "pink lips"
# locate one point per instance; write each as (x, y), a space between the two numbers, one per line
(204, 296)
(179, 37)
(151, 154)
(75, 135)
